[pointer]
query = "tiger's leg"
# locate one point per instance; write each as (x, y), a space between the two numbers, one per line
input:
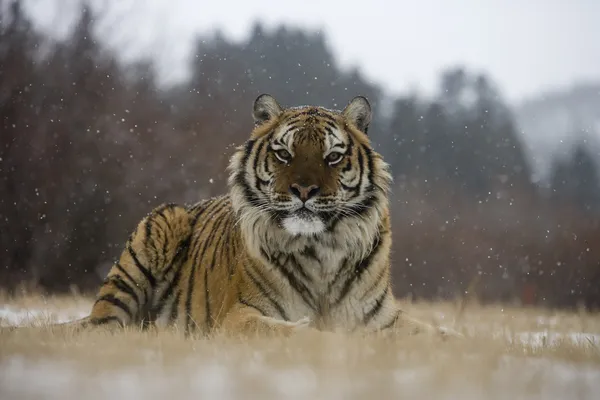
(147, 263)
(243, 320)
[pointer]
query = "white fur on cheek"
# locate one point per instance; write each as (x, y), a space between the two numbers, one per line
(302, 226)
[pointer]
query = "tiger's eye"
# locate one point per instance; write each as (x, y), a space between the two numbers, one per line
(334, 158)
(283, 155)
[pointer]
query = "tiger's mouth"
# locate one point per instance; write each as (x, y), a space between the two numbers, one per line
(303, 221)
(304, 213)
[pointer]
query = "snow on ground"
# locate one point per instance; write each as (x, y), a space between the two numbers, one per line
(221, 375)
(512, 378)
(12, 315)
(547, 338)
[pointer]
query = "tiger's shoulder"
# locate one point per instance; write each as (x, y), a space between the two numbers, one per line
(209, 207)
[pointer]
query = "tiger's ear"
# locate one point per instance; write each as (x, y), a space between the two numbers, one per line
(358, 112)
(265, 109)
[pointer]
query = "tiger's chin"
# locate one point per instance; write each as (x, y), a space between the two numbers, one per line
(303, 223)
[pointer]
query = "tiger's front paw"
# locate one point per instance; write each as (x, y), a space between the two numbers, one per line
(449, 333)
(287, 328)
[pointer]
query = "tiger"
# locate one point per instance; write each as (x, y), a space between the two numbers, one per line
(301, 240)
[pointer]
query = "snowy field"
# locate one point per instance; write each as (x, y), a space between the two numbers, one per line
(509, 354)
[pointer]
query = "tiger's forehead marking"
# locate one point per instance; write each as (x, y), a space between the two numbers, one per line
(311, 125)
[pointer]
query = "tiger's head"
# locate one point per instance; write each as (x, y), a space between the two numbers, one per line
(307, 168)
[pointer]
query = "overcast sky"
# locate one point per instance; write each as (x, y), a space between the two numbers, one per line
(526, 46)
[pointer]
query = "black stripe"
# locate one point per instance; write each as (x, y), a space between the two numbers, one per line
(329, 130)
(139, 266)
(266, 293)
(148, 229)
(105, 320)
(359, 269)
(365, 205)
(197, 258)
(294, 282)
(188, 299)
(296, 267)
(267, 166)
(348, 165)
(211, 206)
(190, 288)
(218, 246)
(240, 179)
(209, 217)
(182, 252)
(164, 207)
(343, 268)
(149, 236)
(133, 281)
(371, 175)
(169, 291)
(355, 189)
(175, 307)
(247, 152)
(167, 294)
(287, 131)
(327, 217)
(249, 195)
(248, 149)
(248, 304)
(340, 146)
(176, 257)
(222, 245)
(334, 220)
(376, 308)
(123, 286)
(192, 208)
(283, 139)
(208, 241)
(379, 278)
(361, 170)
(292, 121)
(165, 235)
(330, 124)
(109, 298)
(326, 117)
(261, 183)
(261, 145)
(165, 246)
(350, 188)
(297, 285)
(310, 252)
(208, 317)
(207, 309)
(350, 146)
(234, 249)
(124, 272)
(229, 249)
(201, 207)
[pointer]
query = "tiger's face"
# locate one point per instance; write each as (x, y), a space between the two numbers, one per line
(307, 167)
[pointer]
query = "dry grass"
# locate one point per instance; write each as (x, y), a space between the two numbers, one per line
(58, 363)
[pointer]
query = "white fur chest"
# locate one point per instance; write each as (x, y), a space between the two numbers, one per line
(312, 280)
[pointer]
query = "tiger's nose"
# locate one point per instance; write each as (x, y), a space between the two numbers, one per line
(304, 193)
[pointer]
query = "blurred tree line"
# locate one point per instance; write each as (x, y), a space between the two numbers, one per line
(89, 145)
